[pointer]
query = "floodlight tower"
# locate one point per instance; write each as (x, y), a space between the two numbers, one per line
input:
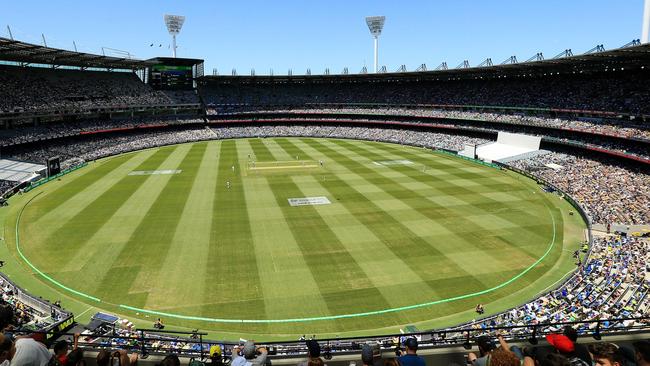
(645, 33)
(376, 24)
(174, 24)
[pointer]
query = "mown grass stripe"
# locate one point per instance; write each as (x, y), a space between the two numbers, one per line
(232, 284)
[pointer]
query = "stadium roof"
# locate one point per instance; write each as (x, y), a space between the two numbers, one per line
(18, 51)
(625, 57)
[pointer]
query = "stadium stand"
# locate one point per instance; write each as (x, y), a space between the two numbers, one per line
(613, 127)
(608, 192)
(40, 89)
(619, 91)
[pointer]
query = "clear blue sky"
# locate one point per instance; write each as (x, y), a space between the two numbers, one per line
(264, 34)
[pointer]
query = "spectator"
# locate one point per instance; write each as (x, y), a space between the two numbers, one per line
(411, 358)
(549, 359)
(61, 351)
(313, 352)
(6, 350)
(76, 358)
(367, 355)
(6, 317)
(256, 356)
(642, 353)
(564, 346)
(29, 352)
(502, 357)
(485, 347)
(606, 354)
(315, 362)
(116, 358)
(170, 360)
(581, 350)
(392, 362)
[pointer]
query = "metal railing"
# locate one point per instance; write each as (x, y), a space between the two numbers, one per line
(193, 344)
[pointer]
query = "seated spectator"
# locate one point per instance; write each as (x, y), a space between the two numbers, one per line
(76, 358)
(410, 358)
(485, 347)
(7, 317)
(370, 355)
(564, 346)
(313, 353)
(581, 350)
(116, 358)
(30, 352)
(6, 349)
(642, 353)
(255, 355)
(550, 359)
(315, 362)
(392, 362)
(61, 350)
(170, 360)
(502, 357)
(607, 354)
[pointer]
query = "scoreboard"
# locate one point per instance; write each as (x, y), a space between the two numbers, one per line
(167, 73)
(171, 77)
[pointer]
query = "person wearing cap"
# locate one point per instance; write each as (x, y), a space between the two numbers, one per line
(642, 353)
(581, 350)
(411, 358)
(565, 346)
(256, 356)
(313, 352)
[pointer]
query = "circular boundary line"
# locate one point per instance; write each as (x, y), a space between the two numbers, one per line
(287, 320)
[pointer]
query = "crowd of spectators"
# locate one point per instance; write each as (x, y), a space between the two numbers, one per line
(45, 89)
(620, 91)
(6, 185)
(46, 131)
(182, 96)
(92, 147)
(613, 127)
(609, 193)
(404, 137)
(22, 315)
(602, 141)
(613, 283)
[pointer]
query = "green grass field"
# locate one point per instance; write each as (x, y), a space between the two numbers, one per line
(410, 237)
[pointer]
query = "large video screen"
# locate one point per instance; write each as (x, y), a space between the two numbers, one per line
(170, 77)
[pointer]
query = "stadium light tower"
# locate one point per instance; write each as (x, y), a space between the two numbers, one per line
(174, 24)
(376, 24)
(645, 32)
